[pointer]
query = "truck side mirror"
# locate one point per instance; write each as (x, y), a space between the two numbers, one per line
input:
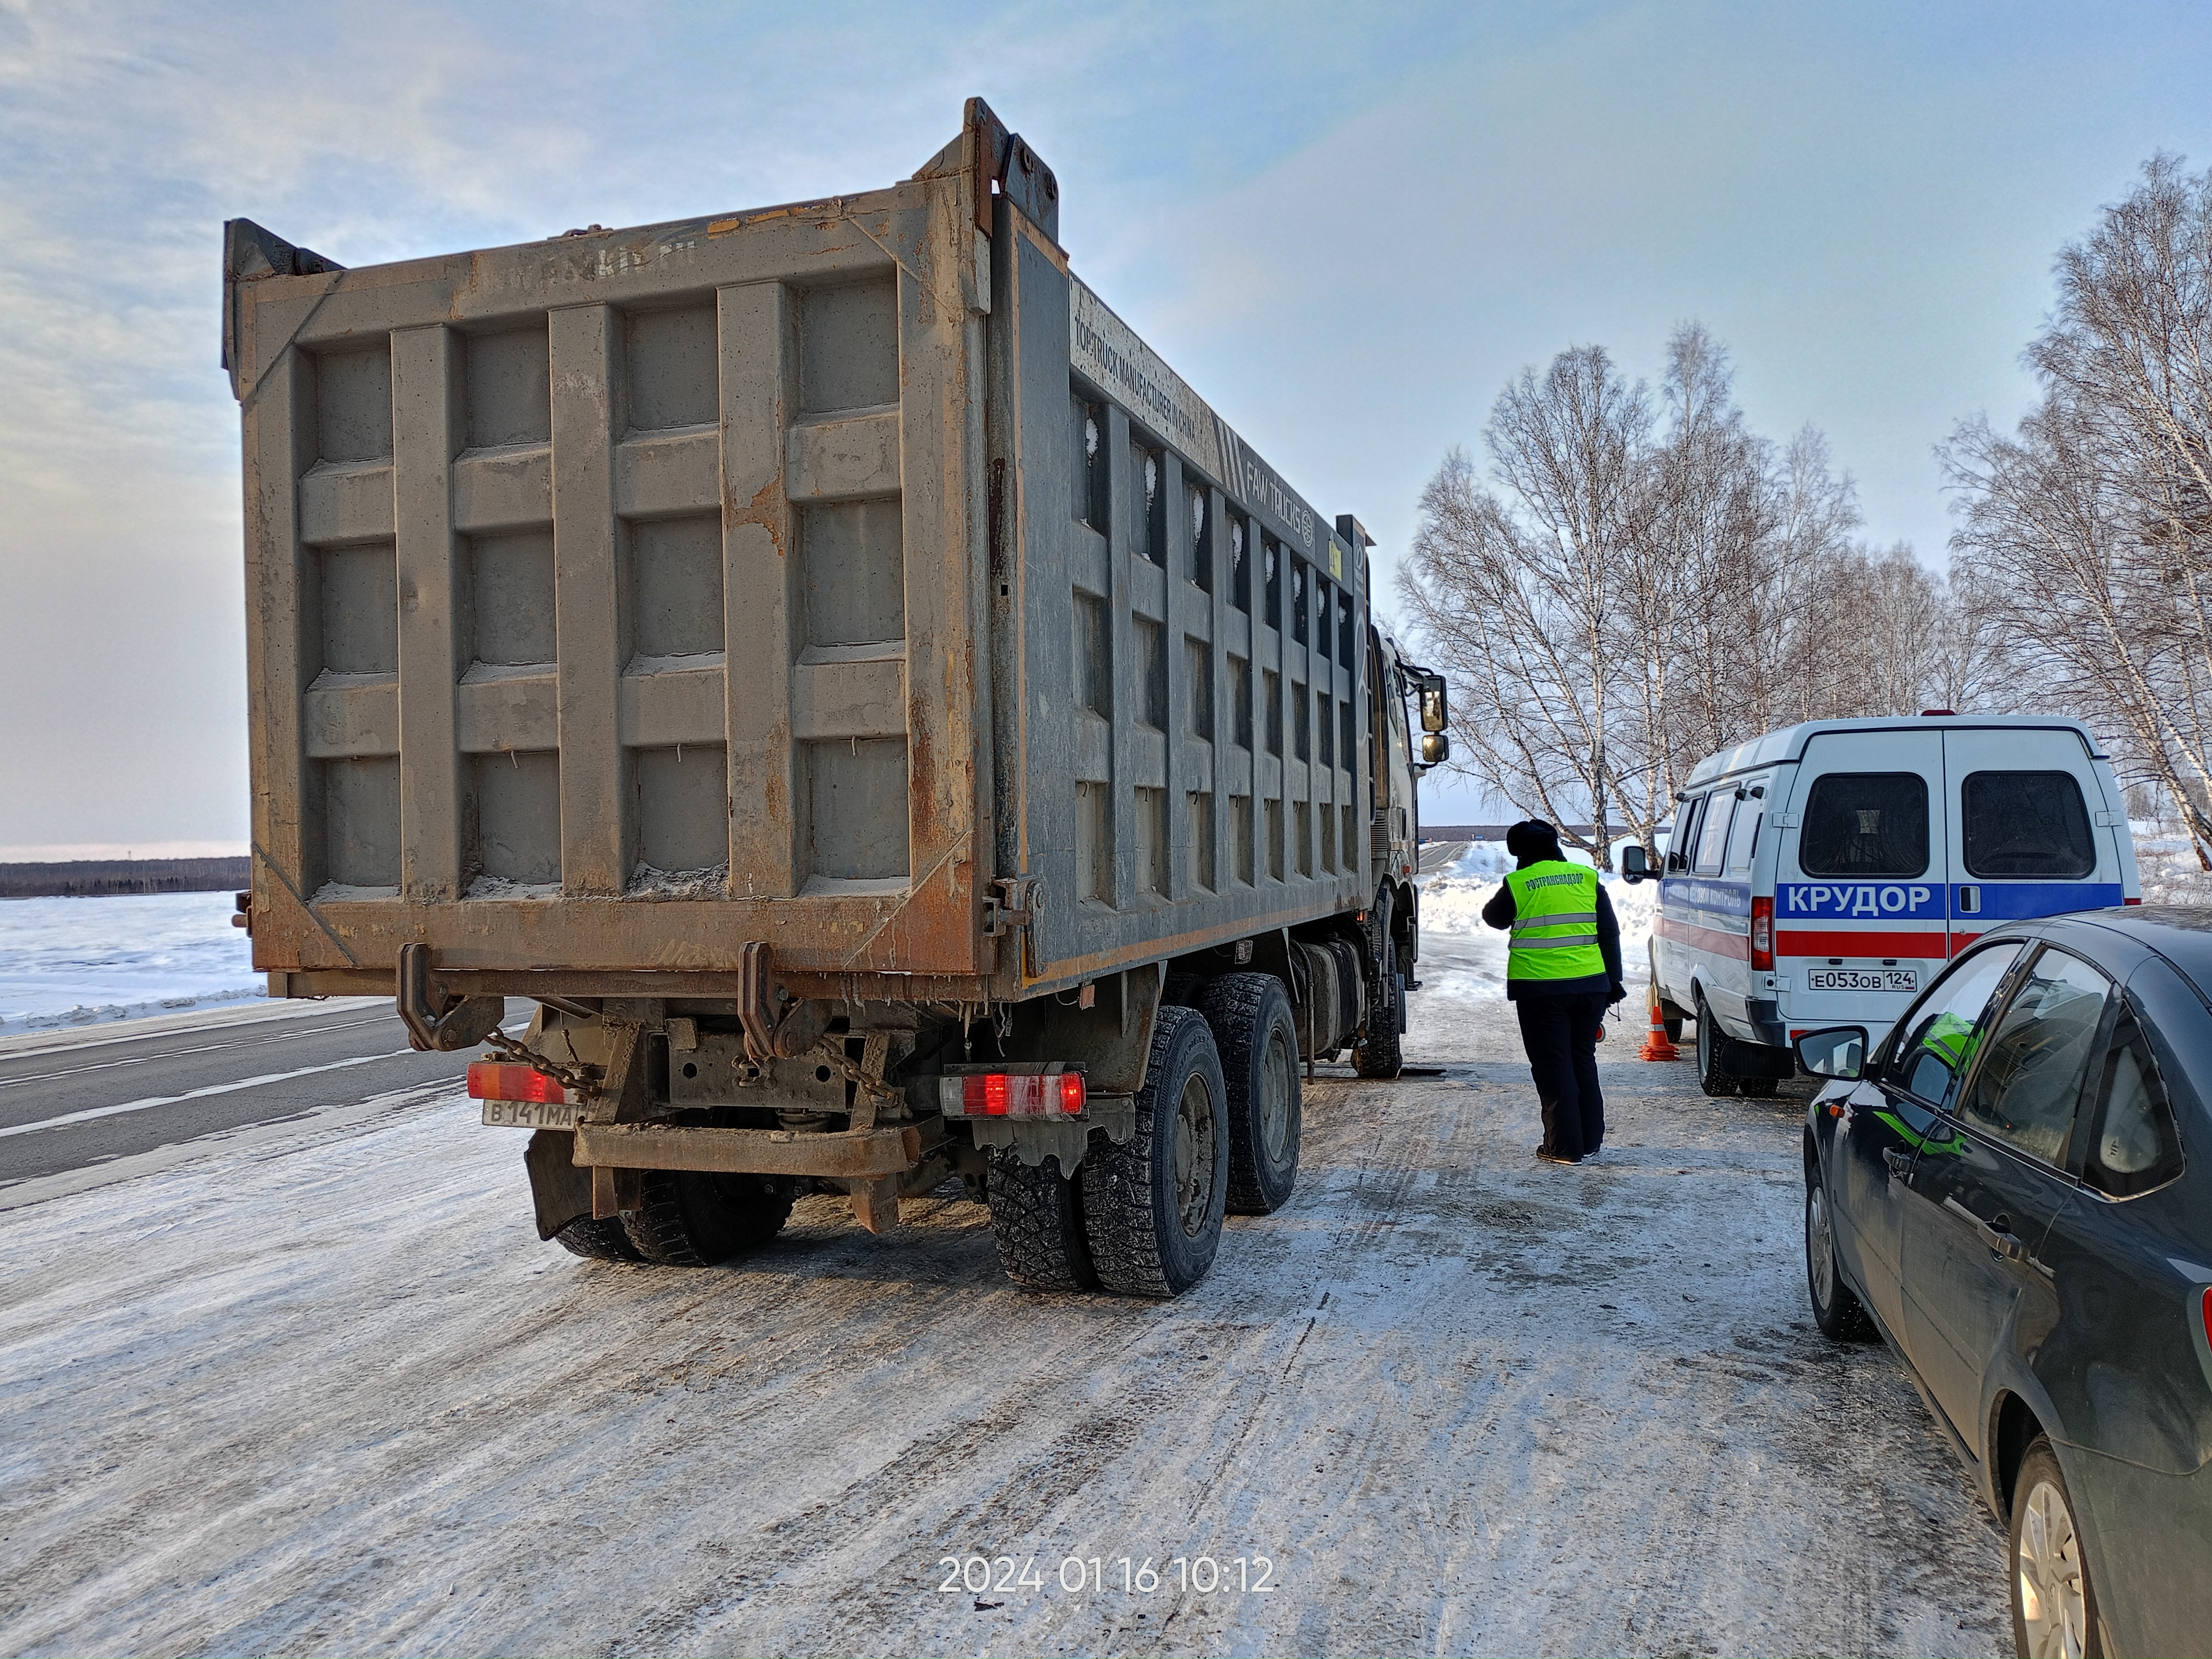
(1635, 865)
(1435, 716)
(1436, 748)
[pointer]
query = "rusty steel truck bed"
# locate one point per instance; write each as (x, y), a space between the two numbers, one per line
(867, 699)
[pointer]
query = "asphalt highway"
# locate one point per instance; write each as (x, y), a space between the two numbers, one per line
(70, 1102)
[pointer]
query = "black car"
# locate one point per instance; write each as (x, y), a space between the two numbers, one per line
(2015, 1189)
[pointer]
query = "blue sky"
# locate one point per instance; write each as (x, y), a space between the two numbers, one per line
(1347, 227)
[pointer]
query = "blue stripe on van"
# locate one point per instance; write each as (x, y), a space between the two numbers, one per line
(2015, 901)
(1731, 898)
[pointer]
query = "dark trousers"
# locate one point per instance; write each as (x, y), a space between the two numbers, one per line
(1560, 1033)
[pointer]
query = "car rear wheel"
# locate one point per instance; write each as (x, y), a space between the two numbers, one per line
(1712, 1077)
(1836, 1309)
(2054, 1606)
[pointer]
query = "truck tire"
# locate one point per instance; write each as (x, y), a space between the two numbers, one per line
(1379, 1054)
(1152, 1206)
(598, 1241)
(691, 1219)
(1713, 1075)
(1036, 1219)
(1257, 1038)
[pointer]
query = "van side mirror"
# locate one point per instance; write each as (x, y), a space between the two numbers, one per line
(1435, 716)
(1436, 748)
(1635, 865)
(1838, 1051)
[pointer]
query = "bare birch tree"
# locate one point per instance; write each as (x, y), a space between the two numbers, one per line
(2089, 535)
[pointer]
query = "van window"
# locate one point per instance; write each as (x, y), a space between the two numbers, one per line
(1743, 839)
(2027, 823)
(1866, 823)
(1712, 831)
(1683, 840)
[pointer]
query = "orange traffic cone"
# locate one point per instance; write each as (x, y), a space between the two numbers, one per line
(1656, 1043)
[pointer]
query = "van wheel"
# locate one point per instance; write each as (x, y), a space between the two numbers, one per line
(691, 1219)
(1250, 1016)
(1712, 1078)
(1036, 1221)
(1152, 1206)
(1672, 1023)
(2054, 1605)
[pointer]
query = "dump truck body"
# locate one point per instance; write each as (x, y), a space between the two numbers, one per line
(830, 607)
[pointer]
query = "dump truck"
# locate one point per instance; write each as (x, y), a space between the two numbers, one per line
(889, 727)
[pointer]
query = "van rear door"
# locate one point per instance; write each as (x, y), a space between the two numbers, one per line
(2025, 838)
(1860, 881)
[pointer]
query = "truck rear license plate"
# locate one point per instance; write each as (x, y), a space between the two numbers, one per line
(1849, 978)
(530, 1115)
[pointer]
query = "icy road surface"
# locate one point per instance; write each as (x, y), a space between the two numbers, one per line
(328, 1393)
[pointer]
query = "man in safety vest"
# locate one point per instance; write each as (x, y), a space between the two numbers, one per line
(1563, 967)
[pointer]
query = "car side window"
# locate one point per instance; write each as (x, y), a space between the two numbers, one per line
(2134, 1145)
(1712, 831)
(1938, 1035)
(2036, 1058)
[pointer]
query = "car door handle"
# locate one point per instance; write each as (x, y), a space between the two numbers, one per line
(1898, 1162)
(2001, 1242)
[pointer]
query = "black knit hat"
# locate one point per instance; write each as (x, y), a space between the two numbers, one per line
(1532, 838)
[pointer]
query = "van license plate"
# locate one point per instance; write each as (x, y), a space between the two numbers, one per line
(1859, 979)
(530, 1115)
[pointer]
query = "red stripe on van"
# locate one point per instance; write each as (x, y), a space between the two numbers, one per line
(1703, 938)
(1928, 945)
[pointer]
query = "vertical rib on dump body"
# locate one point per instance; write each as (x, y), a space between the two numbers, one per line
(841, 576)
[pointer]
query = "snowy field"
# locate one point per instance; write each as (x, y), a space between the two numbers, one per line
(1452, 899)
(78, 961)
(326, 1393)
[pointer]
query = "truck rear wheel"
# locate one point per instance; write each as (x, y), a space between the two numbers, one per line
(1152, 1206)
(1257, 1038)
(691, 1219)
(598, 1241)
(1036, 1219)
(1379, 1054)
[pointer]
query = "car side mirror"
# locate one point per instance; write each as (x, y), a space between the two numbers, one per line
(1635, 865)
(1837, 1052)
(1436, 748)
(1435, 716)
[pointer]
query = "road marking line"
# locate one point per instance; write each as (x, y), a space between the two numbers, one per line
(91, 1113)
(180, 1053)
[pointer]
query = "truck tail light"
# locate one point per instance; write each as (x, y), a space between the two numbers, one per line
(1762, 935)
(1004, 1094)
(2131, 901)
(491, 1079)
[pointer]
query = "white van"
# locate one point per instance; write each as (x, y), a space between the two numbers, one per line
(1822, 874)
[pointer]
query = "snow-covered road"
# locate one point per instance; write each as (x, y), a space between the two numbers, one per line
(328, 1393)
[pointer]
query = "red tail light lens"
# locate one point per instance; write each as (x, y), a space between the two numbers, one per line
(1762, 935)
(1004, 1094)
(490, 1079)
(2208, 1313)
(2131, 901)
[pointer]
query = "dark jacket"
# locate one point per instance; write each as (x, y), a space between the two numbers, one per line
(1499, 911)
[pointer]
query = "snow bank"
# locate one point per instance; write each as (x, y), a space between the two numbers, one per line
(1451, 904)
(75, 960)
